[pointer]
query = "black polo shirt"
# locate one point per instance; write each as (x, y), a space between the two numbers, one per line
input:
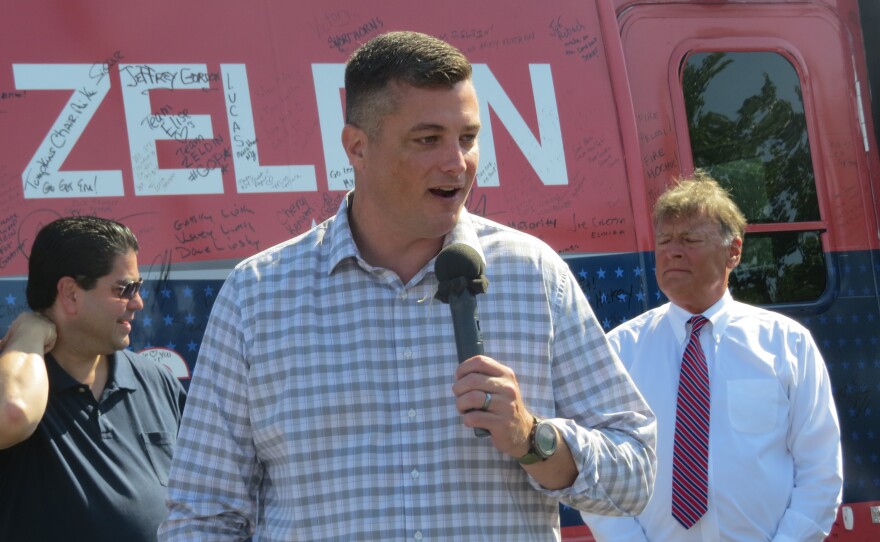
(94, 470)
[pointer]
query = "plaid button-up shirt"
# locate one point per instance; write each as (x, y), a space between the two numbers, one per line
(321, 404)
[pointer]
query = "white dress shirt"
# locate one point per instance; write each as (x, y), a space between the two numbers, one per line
(775, 470)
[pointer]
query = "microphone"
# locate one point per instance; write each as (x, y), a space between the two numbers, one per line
(460, 273)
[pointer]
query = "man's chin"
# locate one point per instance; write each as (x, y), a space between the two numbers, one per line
(123, 343)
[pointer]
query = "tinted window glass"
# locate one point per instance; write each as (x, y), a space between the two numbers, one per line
(748, 130)
(776, 268)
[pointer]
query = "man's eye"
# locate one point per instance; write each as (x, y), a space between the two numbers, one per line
(428, 140)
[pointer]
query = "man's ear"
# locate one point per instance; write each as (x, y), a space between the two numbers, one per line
(354, 141)
(735, 254)
(68, 293)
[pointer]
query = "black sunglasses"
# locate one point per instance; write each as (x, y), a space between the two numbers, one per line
(129, 289)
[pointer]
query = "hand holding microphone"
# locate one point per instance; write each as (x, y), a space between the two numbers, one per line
(460, 273)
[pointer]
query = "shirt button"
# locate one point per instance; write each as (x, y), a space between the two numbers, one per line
(414, 474)
(411, 413)
(418, 535)
(407, 353)
(82, 390)
(404, 295)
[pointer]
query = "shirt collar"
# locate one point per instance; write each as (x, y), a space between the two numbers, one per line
(343, 247)
(121, 371)
(464, 232)
(121, 374)
(341, 241)
(717, 314)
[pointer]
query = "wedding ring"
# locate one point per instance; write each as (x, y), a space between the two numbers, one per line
(486, 402)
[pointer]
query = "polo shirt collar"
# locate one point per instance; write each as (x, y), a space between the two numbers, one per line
(121, 374)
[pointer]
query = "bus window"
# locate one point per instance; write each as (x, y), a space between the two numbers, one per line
(748, 130)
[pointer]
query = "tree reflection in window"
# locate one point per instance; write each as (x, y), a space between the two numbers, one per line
(748, 130)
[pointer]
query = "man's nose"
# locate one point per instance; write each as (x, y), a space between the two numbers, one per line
(455, 159)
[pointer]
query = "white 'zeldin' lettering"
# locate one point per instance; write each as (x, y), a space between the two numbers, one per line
(248, 171)
(42, 177)
(205, 156)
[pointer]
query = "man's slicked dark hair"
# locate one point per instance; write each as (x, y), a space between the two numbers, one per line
(82, 247)
(411, 58)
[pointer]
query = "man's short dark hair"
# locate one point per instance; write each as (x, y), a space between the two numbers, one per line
(411, 58)
(82, 247)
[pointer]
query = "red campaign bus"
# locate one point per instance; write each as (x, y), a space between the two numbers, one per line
(212, 130)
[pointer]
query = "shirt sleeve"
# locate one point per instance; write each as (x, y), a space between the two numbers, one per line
(603, 418)
(214, 479)
(814, 440)
(612, 528)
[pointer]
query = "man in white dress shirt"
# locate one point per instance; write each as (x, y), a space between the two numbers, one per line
(774, 460)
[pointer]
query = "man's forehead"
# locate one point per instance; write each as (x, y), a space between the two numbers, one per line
(688, 224)
(441, 127)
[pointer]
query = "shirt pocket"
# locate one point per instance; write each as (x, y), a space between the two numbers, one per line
(159, 447)
(753, 404)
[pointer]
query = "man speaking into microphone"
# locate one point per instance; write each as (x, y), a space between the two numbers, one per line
(328, 401)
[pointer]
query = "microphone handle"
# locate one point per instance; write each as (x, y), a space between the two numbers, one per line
(466, 325)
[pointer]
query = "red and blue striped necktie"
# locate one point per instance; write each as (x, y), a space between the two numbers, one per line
(690, 452)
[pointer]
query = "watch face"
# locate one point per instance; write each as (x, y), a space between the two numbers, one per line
(545, 439)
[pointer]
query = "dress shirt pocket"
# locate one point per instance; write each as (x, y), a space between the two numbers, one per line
(753, 404)
(159, 447)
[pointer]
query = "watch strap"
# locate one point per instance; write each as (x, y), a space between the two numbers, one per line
(532, 455)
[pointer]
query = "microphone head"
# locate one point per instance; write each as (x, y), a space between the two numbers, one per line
(458, 260)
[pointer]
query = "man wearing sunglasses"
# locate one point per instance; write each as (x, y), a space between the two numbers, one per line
(86, 427)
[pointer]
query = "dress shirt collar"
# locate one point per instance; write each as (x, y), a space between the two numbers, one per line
(464, 232)
(342, 245)
(341, 241)
(717, 314)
